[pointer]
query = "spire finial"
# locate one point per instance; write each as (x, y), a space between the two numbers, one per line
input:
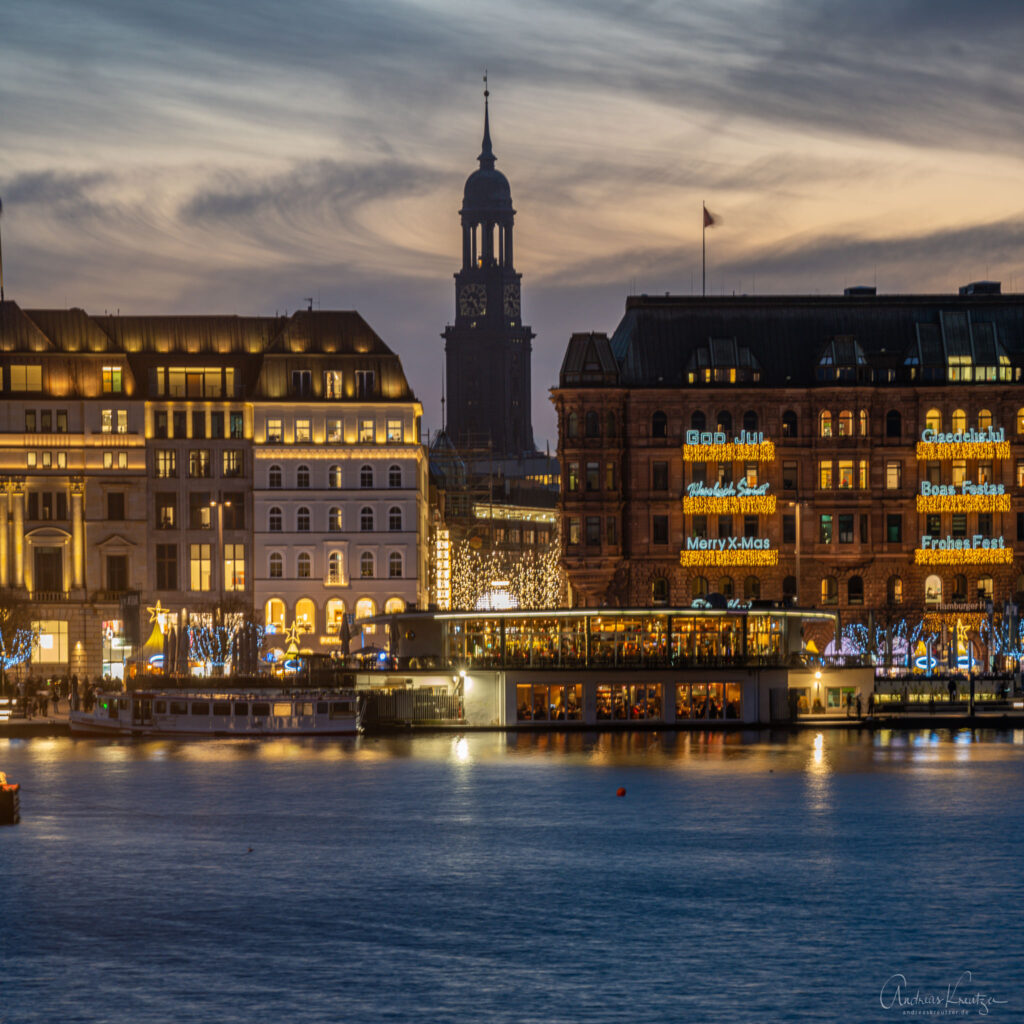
(486, 156)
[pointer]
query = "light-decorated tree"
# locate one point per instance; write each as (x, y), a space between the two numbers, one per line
(16, 633)
(528, 579)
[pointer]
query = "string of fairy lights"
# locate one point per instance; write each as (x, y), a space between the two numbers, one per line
(963, 503)
(729, 452)
(750, 504)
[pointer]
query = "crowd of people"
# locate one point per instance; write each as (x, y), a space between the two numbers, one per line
(43, 696)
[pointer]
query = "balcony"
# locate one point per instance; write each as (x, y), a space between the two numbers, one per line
(49, 596)
(109, 596)
(335, 579)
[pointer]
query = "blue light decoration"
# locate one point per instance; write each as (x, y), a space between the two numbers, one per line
(156, 660)
(292, 665)
(16, 649)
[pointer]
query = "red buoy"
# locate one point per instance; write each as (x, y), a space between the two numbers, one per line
(621, 791)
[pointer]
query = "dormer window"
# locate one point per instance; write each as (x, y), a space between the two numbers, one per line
(843, 360)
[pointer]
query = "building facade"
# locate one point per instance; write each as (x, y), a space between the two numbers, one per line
(863, 453)
(143, 459)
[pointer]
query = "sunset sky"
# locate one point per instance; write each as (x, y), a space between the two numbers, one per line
(216, 157)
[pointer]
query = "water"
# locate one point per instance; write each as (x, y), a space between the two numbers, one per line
(494, 878)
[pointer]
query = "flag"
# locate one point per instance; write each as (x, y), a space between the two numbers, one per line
(710, 218)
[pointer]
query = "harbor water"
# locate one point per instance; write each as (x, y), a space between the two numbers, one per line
(493, 877)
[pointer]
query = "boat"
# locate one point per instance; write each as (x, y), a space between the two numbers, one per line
(176, 713)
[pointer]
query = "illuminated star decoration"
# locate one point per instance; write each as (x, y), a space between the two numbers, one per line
(158, 614)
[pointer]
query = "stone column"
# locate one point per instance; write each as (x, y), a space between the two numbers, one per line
(18, 539)
(77, 535)
(5, 529)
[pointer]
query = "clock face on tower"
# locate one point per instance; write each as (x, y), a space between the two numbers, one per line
(473, 300)
(512, 300)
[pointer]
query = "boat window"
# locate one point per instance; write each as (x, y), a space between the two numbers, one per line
(179, 707)
(112, 710)
(200, 707)
(321, 708)
(305, 708)
(341, 708)
(221, 708)
(282, 708)
(160, 707)
(241, 708)
(123, 703)
(261, 709)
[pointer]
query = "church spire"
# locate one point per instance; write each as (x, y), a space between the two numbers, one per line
(486, 156)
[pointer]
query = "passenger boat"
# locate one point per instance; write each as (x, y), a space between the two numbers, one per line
(149, 713)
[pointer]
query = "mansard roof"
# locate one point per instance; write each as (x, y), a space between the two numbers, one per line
(794, 341)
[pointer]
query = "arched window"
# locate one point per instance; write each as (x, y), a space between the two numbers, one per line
(366, 476)
(303, 566)
(959, 587)
(273, 613)
(365, 608)
(394, 518)
(394, 606)
(335, 573)
(366, 565)
(894, 590)
(825, 423)
(984, 588)
(659, 591)
(659, 425)
(305, 615)
(335, 613)
(592, 424)
(334, 520)
(984, 419)
(334, 478)
(726, 587)
(959, 421)
(829, 590)
(933, 590)
(855, 590)
(789, 423)
(846, 423)
(394, 476)
(789, 588)
(751, 589)
(274, 520)
(1018, 594)
(276, 565)
(572, 424)
(1020, 421)
(366, 519)
(862, 421)
(750, 420)
(933, 420)
(698, 421)
(610, 425)
(302, 476)
(274, 477)
(698, 586)
(893, 424)
(395, 565)
(724, 421)
(302, 520)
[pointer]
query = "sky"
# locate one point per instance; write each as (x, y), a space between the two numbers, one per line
(242, 156)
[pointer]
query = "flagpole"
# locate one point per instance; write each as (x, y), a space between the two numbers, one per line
(703, 249)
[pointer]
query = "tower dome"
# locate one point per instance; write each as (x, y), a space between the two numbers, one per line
(487, 189)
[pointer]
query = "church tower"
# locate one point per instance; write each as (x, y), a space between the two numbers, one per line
(487, 349)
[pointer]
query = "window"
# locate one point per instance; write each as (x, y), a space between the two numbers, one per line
(593, 476)
(825, 475)
(572, 428)
(111, 380)
(825, 424)
(750, 526)
(106, 421)
(959, 524)
(334, 568)
(829, 590)
(394, 476)
(303, 432)
(659, 425)
(30, 421)
(789, 423)
(1020, 421)
(236, 426)
(789, 476)
(751, 589)
(167, 567)
(893, 476)
(366, 565)
(699, 527)
(302, 520)
(846, 423)
(366, 477)
(846, 528)
(750, 473)
(659, 476)
(698, 421)
(659, 591)
(855, 590)
(825, 529)
(334, 519)
(574, 476)
(788, 529)
(166, 505)
(302, 477)
(394, 518)
(166, 463)
(862, 422)
(574, 530)
(725, 472)
(275, 478)
(275, 431)
(985, 524)
(659, 529)
(394, 431)
(26, 378)
(894, 528)
(609, 476)
(367, 433)
(366, 520)
(199, 567)
(395, 565)
(698, 586)
(959, 421)
(611, 532)
(364, 383)
(959, 587)
(893, 424)
(933, 420)
(984, 588)
(274, 520)
(333, 384)
(200, 515)
(933, 523)
(592, 424)
(894, 590)
(303, 566)
(609, 427)
(725, 526)
(276, 565)
(724, 421)
(959, 471)
(110, 460)
(199, 462)
(750, 420)
(984, 472)
(933, 590)
(234, 567)
(302, 382)
(231, 462)
(198, 424)
(789, 588)
(334, 433)
(62, 421)
(726, 587)
(845, 474)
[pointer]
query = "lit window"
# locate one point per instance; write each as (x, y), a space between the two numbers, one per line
(332, 384)
(845, 474)
(111, 380)
(394, 428)
(334, 435)
(106, 421)
(234, 567)
(395, 565)
(26, 378)
(303, 432)
(62, 460)
(366, 432)
(893, 476)
(334, 520)
(933, 420)
(366, 565)
(199, 567)
(275, 432)
(825, 475)
(825, 424)
(959, 421)
(846, 423)
(334, 567)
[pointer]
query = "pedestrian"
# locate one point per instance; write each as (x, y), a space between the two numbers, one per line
(871, 704)
(858, 707)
